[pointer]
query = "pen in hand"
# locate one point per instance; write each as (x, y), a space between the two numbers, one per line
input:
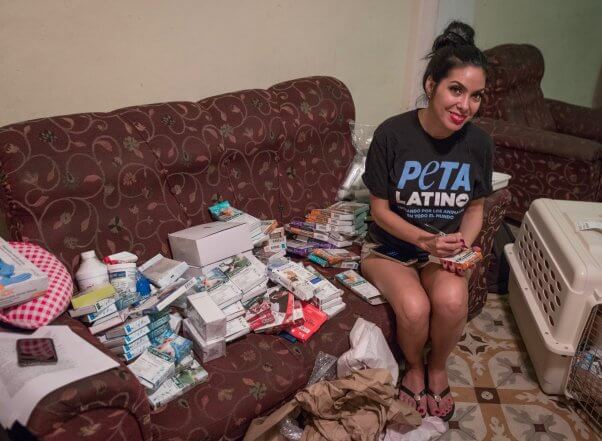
(440, 233)
(434, 229)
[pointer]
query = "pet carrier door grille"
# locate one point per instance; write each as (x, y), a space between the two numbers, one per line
(585, 377)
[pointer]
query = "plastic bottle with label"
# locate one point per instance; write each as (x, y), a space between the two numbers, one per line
(91, 272)
(122, 274)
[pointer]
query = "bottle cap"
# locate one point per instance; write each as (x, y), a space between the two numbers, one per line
(88, 254)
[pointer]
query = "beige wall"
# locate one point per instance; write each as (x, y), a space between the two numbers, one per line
(569, 34)
(60, 56)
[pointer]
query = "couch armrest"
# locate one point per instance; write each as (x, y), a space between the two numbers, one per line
(579, 121)
(534, 140)
(117, 392)
(493, 214)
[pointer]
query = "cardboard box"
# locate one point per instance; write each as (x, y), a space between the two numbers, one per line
(205, 350)
(29, 280)
(162, 271)
(207, 243)
(208, 319)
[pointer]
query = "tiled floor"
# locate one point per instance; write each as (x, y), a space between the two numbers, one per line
(496, 391)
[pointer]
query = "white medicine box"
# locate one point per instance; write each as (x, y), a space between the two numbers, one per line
(20, 280)
(205, 244)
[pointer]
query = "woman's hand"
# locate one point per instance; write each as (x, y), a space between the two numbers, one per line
(458, 271)
(443, 246)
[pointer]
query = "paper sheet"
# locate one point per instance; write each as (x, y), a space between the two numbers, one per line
(24, 387)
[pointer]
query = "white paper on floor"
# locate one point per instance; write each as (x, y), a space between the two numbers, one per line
(430, 427)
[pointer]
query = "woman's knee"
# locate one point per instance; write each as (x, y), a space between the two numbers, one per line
(412, 309)
(450, 302)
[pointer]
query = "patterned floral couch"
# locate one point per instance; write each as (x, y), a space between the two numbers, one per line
(122, 180)
(552, 149)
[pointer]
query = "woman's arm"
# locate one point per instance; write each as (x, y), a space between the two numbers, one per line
(472, 221)
(393, 224)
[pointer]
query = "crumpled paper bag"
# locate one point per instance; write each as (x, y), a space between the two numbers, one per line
(354, 408)
(369, 349)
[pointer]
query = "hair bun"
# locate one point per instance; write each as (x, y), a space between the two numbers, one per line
(456, 34)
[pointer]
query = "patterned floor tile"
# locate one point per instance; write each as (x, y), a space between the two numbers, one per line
(534, 422)
(496, 391)
(512, 370)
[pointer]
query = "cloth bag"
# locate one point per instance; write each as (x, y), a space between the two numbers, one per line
(369, 350)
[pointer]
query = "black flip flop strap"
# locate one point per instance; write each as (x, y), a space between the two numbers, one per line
(443, 393)
(412, 393)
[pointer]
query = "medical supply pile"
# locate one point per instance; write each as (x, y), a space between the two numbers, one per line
(167, 317)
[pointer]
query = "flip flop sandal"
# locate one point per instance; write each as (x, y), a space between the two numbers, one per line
(438, 398)
(417, 397)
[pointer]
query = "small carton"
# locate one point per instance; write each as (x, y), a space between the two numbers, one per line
(209, 320)
(207, 243)
(162, 271)
(236, 328)
(179, 384)
(20, 280)
(153, 367)
(204, 349)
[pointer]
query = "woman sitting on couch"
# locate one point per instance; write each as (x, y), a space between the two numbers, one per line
(428, 172)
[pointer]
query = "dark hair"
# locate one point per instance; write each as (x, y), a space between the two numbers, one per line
(453, 48)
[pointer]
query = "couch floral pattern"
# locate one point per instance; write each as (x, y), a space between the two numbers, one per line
(110, 405)
(550, 148)
(544, 164)
(181, 157)
(81, 182)
(316, 151)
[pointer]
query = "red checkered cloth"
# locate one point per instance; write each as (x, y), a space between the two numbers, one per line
(44, 309)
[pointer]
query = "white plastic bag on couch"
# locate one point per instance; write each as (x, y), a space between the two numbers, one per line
(369, 349)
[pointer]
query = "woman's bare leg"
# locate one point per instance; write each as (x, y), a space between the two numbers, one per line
(448, 295)
(401, 286)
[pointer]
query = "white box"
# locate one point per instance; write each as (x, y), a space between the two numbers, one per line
(162, 271)
(20, 292)
(555, 282)
(205, 350)
(209, 320)
(207, 243)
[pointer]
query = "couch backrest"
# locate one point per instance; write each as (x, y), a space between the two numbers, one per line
(220, 148)
(513, 86)
(316, 150)
(86, 181)
(123, 180)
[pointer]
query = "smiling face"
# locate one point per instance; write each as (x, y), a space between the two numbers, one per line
(454, 100)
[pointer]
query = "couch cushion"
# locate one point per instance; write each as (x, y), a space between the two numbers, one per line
(513, 86)
(81, 182)
(41, 310)
(316, 151)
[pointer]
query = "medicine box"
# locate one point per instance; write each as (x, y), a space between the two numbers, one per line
(204, 244)
(207, 317)
(20, 280)
(205, 350)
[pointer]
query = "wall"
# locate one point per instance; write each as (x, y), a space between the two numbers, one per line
(569, 34)
(61, 56)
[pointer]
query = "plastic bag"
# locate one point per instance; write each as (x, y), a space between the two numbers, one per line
(369, 349)
(324, 369)
(361, 137)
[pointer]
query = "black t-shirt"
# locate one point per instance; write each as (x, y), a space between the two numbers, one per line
(427, 180)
